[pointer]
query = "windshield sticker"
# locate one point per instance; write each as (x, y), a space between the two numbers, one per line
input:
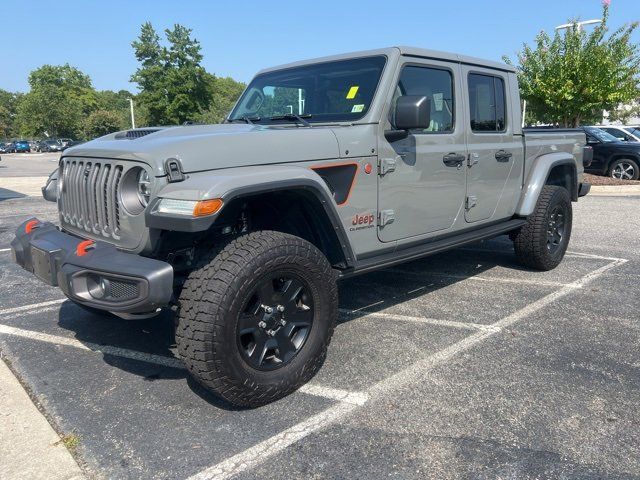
(437, 101)
(353, 91)
(357, 108)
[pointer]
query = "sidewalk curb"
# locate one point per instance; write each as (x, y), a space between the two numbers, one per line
(614, 190)
(30, 447)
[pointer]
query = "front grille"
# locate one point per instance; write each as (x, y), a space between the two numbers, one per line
(89, 198)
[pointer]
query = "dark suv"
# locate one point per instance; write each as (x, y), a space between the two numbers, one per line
(612, 157)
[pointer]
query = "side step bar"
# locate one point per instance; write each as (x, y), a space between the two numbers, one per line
(431, 247)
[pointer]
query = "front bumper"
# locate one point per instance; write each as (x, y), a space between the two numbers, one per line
(99, 276)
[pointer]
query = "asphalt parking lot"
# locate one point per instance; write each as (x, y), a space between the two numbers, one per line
(461, 365)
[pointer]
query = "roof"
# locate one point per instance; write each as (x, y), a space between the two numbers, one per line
(404, 50)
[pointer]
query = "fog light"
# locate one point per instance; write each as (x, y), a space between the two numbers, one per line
(97, 286)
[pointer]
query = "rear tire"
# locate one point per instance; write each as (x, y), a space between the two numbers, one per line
(542, 242)
(256, 317)
(624, 169)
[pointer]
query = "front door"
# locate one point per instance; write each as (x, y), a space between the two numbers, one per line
(421, 186)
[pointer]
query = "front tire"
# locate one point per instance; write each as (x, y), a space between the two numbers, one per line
(256, 317)
(542, 242)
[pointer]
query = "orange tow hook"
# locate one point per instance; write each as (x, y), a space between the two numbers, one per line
(31, 224)
(81, 249)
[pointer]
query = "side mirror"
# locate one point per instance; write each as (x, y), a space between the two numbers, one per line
(50, 190)
(412, 111)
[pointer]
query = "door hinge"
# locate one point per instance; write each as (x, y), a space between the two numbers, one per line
(472, 201)
(386, 217)
(387, 165)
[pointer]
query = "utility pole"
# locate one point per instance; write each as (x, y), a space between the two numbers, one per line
(133, 118)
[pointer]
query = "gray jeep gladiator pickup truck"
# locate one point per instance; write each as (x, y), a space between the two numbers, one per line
(324, 169)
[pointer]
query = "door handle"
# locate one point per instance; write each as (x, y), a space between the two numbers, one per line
(453, 160)
(503, 156)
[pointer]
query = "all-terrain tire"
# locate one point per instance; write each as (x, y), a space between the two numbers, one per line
(532, 242)
(213, 300)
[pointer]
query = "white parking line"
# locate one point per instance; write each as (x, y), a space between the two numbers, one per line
(408, 318)
(257, 454)
(5, 250)
(354, 398)
(478, 278)
(92, 347)
(33, 306)
(273, 445)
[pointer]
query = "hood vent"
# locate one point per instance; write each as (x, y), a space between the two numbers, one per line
(133, 134)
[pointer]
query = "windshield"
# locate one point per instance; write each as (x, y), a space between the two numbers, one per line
(601, 135)
(322, 92)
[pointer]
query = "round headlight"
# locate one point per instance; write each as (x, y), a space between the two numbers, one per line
(144, 187)
(135, 190)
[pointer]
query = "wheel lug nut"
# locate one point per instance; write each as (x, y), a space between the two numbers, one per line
(280, 308)
(262, 324)
(283, 322)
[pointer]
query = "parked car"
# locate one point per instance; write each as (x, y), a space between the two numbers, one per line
(613, 157)
(8, 148)
(64, 142)
(394, 154)
(50, 145)
(22, 146)
(72, 143)
(624, 134)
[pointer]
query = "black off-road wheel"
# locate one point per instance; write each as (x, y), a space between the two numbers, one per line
(542, 242)
(256, 317)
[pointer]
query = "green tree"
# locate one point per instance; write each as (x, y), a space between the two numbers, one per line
(59, 99)
(224, 94)
(624, 113)
(570, 78)
(8, 107)
(103, 122)
(173, 85)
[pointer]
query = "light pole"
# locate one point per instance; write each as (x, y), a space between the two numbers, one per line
(579, 24)
(133, 118)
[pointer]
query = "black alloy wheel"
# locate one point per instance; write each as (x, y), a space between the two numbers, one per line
(556, 229)
(276, 321)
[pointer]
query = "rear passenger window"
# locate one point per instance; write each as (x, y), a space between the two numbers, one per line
(437, 85)
(487, 103)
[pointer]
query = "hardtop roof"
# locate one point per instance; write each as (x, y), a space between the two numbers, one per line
(403, 50)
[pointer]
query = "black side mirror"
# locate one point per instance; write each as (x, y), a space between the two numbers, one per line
(412, 111)
(50, 190)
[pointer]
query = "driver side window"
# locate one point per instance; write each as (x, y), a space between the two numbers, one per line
(437, 85)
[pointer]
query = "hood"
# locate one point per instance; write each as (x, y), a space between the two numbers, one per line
(210, 147)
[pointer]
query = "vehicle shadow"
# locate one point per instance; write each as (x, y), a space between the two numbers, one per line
(156, 335)
(6, 194)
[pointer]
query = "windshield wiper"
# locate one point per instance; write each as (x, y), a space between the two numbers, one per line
(248, 120)
(293, 116)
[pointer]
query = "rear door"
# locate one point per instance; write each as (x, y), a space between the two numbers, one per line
(421, 185)
(493, 148)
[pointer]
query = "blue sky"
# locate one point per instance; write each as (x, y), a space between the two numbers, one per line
(238, 38)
